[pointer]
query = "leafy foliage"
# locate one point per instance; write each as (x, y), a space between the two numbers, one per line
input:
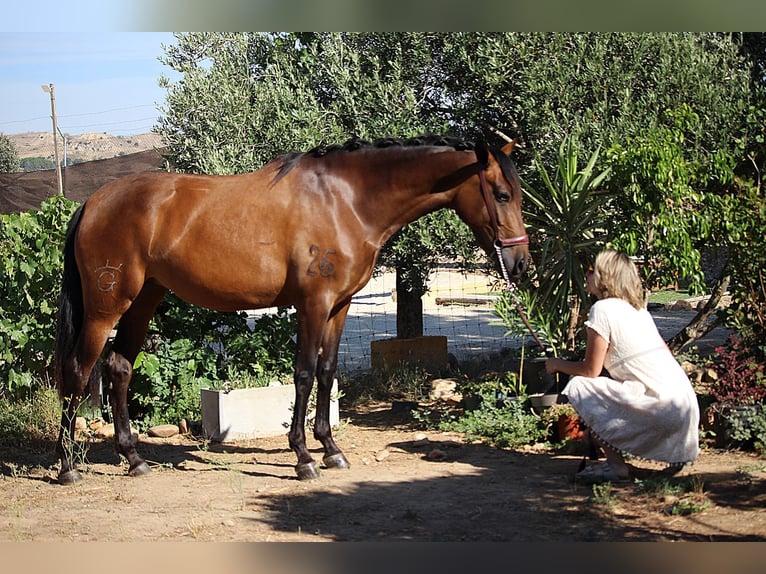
(743, 215)
(666, 214)
(30, 281)
(508, 423)
(193, 348)
(569, 220)
(741, 378)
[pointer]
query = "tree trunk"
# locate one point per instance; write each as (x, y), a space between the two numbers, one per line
(704, 321)
(409, 309)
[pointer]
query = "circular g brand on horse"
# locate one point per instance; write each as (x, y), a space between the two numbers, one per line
(107, 276)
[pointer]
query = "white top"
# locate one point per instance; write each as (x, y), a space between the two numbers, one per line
(647, 406)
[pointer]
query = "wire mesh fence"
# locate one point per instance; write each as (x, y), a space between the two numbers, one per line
(458, 306)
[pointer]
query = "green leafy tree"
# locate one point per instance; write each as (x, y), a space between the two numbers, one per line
(664, 201)
(9, 156)
(681, 100)
(246, 98)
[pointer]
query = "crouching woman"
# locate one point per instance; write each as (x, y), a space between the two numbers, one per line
(645, 406)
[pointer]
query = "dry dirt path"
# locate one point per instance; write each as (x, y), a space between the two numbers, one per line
(398, 489)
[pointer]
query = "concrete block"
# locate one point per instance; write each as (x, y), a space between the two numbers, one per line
(243, 414)
(428, 352)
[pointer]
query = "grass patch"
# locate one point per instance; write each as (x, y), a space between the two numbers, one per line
(668, 296)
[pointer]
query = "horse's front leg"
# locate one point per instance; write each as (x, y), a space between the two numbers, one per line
(310, 329)
(306, 469)
(328, 362)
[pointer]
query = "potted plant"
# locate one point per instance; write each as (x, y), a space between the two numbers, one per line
(564, 420)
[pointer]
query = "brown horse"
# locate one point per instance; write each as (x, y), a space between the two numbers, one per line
(304, 230)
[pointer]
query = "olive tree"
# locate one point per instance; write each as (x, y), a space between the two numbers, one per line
(9, 156)
(245, 98)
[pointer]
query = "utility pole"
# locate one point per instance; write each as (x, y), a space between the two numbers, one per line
(49, 89)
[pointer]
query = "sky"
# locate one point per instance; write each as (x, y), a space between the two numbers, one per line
(103, 81)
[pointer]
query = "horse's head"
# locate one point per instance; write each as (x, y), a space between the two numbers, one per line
(494, 213)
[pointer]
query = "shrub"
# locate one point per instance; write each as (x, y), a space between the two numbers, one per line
(741, 379)
(505, 423)
(193, 348)
(32, 419)
(9, 156)
(30, 244)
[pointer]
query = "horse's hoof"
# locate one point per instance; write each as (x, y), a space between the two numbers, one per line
(70, 477)
(307, 471)
(338, 460)
(141, 469)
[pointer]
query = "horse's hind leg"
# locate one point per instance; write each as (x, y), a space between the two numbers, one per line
(76, 372)
(119, 370)
(328, 362)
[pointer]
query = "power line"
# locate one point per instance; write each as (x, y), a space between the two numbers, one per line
(64, 116)
(105, 111)
(110, 123)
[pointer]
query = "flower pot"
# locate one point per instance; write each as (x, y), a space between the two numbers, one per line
(568, 427)
(537, 380)
(541, 401)
(243, 414)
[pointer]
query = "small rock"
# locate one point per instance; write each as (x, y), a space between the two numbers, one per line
(80, 424)
(444, 389)
(96, 424)
(163, 431)
(183, 427)
(419, 436)
(436, 454)
(105, 431)
(382, 455)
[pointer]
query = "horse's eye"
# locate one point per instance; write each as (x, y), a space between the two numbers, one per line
(502, 196)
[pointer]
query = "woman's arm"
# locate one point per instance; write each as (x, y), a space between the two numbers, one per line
(595, 354)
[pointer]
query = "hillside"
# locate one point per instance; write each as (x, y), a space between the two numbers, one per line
(84, 147)
(26, 190)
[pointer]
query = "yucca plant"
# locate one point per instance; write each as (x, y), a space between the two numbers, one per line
(569, 221)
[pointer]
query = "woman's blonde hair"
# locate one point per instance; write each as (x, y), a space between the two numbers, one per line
(615, 275)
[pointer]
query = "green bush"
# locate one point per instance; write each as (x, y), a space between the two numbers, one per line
(501, 423)
(31, 259)
(9, 156)
(193, 348)
(36, 418)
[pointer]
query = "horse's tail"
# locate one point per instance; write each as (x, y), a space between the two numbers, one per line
(70, 315)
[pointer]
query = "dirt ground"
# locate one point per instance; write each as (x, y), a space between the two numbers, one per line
(402, 486)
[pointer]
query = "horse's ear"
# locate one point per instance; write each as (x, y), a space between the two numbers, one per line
(508, 148)
(482, 152)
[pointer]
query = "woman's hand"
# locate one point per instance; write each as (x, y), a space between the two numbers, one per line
(551, 366)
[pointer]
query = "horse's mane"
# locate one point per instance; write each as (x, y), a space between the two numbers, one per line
(289, 161)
